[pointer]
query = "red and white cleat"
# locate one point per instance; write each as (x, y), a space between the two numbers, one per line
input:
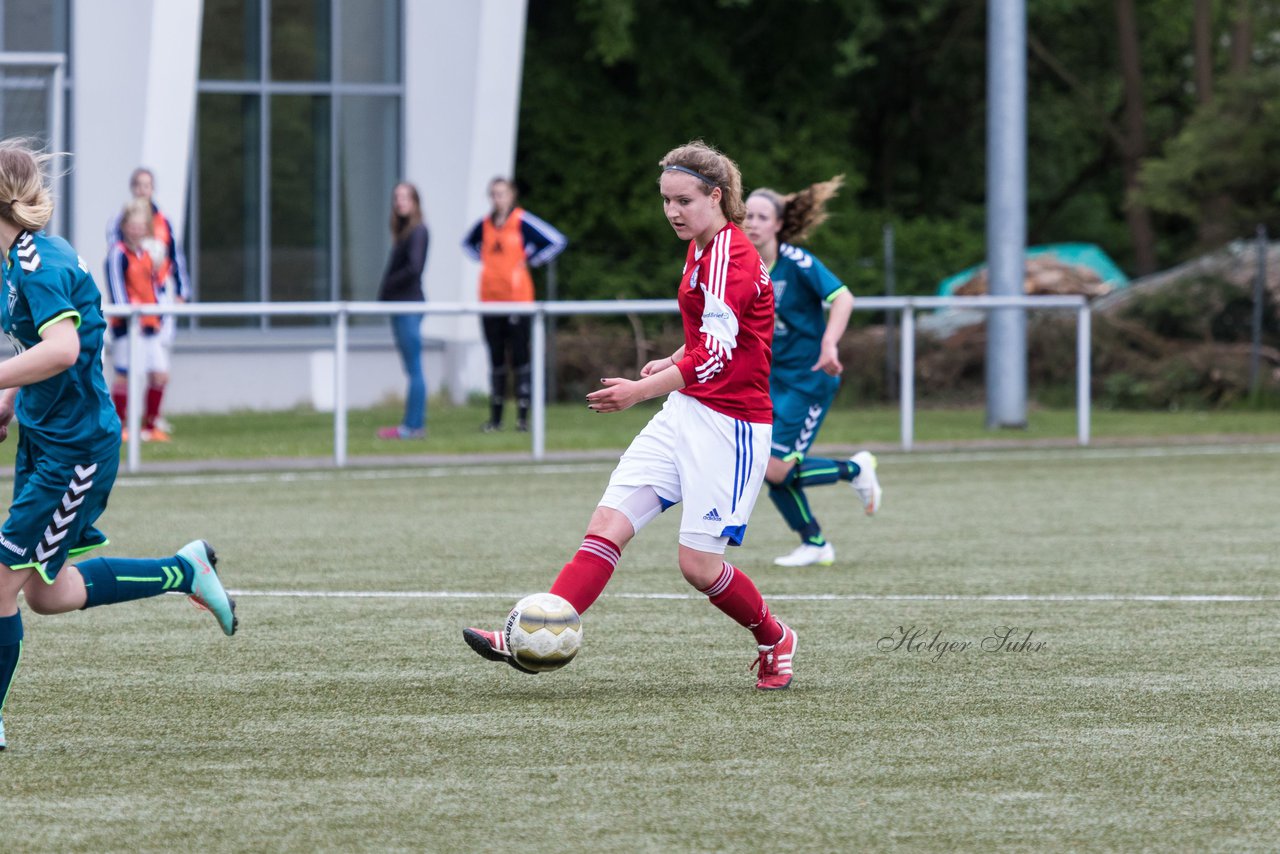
(491, 646)
(774, 662)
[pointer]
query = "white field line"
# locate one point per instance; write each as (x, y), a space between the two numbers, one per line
(412, 472)
(409, 473)
(802, 597)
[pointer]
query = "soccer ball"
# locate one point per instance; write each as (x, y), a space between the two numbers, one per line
(543, 632)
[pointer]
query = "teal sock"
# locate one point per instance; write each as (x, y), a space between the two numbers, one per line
(10, 652)
(814, 472)
(792, 503)
(108, 580)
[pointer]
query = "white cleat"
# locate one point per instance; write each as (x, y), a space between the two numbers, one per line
(807, 554)
(866, 484)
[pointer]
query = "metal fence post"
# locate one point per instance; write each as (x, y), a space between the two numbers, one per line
(908, 380)
(1084, 371)
(340, 387)
(134, 380)
(538, 391)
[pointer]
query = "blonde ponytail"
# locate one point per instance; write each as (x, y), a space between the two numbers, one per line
(25, 200)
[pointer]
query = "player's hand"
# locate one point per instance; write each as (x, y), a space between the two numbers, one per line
(618, 394)
(655, 366)
(829, 360)
(6, 415)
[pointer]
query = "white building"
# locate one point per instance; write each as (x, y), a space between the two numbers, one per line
(276, 130)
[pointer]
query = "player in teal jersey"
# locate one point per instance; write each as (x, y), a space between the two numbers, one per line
(69, 438)
(812, 309)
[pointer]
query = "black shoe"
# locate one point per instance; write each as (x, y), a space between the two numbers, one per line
(522, 427)
(490, 427)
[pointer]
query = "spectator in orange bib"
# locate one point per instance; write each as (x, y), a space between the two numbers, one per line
(507, 243)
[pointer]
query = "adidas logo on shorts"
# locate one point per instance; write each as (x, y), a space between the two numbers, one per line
(713, 516)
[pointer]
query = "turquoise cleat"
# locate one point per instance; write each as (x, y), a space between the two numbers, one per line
(207, 591)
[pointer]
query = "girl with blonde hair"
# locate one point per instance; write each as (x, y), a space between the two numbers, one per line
(69, 442)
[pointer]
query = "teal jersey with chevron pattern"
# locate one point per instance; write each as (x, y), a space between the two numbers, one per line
(69, 414)
(802, 286)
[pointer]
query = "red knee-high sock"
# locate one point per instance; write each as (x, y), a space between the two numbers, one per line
(584, 577)
(735, 594)
(120, 398)
(154, 395)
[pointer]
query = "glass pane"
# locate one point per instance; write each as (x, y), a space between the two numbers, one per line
(369, 41)
(231, 40)
(34, 25)
(300, 39)
(228, 194)
(368, 169)
(25, 103)
(300, 198)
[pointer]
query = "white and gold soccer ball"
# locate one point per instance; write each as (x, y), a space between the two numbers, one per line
(543, 632)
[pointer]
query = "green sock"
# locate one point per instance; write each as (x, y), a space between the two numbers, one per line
(10, 652)
(108, 580)
(818, 472)
(792, 503)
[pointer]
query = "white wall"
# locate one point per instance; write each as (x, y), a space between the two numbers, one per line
(463, 63)
(133, 104)
(135, 71)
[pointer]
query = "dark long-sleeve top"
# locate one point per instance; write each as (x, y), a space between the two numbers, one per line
(402, 282)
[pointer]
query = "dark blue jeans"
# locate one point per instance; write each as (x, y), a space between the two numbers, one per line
(408, 334)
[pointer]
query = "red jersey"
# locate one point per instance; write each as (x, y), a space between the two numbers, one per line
(726, 304)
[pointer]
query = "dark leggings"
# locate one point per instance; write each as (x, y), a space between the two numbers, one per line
(508, 335)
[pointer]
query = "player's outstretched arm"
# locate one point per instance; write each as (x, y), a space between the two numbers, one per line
(619, 393)
(837, 322)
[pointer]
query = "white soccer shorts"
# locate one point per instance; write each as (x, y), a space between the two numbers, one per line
(155, 355)
(691, 454)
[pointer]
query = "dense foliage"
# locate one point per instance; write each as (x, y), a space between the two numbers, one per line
(891, 93)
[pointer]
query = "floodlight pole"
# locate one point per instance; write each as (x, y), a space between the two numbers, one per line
(1255, 320)
(1006, 368)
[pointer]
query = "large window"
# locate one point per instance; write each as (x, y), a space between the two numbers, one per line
(35, 84)
(298, 147)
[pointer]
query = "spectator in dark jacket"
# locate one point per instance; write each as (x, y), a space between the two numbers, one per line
(402, 282)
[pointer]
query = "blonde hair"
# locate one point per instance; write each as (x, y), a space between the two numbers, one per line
(25, 200)
(802, 211)
(138, 208)
(715, 170)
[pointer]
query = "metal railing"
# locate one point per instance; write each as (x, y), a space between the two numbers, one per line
(342, 312)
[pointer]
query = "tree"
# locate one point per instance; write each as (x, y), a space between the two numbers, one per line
(1133, 143)
(891, 93)
(1225, 151)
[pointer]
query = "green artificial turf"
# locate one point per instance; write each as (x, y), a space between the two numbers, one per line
(341, 722)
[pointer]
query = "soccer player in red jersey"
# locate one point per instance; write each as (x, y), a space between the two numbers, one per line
(709, 444)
